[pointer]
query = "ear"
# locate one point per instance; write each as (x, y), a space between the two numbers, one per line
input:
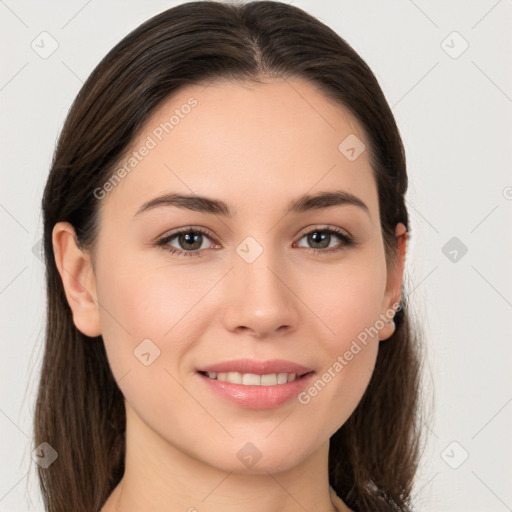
(76, 271)
(394, 282)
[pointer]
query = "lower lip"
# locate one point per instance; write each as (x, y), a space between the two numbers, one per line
(258, 397)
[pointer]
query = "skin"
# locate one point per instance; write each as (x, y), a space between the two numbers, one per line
(256, 147)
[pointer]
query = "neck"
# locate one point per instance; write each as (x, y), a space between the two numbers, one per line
(159, 477)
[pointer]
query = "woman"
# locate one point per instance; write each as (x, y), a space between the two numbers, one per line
(225, 235)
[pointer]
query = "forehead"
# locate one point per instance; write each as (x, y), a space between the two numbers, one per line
(253, 143)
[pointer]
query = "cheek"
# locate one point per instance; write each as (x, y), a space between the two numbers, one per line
(141, 301)
(148, 324)
(141, 297)
(347, 305)
(346, 301)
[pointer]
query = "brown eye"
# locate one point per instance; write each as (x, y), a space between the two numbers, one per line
(190, 242)
(320, 239)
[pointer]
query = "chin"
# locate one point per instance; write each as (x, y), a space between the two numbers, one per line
(258, 458)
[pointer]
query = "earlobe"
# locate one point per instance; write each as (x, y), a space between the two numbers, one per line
(394, 283)
(78, 280)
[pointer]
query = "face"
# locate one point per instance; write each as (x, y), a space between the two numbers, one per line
(249, 278)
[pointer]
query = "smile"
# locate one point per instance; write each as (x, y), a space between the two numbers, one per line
(252, 379)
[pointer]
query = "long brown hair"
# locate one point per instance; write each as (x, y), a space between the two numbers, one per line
(80, 411)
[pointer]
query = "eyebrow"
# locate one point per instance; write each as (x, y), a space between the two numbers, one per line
(305, 203)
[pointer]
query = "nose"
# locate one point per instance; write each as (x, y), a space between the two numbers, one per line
(260, 300)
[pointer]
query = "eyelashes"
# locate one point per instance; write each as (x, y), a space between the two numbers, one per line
(190, 234)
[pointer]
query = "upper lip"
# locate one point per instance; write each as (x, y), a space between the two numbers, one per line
(257, 367)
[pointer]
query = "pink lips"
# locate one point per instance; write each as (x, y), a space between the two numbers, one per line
(257, 367)
(257, 397)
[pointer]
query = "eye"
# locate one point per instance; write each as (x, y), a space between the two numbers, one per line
(190, 241)
(321, 237)
(188, 238)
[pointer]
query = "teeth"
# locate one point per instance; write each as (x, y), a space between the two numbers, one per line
(251, 379)
(269, 380)
(234, 377)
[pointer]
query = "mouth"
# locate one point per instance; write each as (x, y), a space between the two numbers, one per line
(253, 379)
(256, 384)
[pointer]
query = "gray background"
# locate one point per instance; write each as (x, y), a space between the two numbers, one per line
(454, 112)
